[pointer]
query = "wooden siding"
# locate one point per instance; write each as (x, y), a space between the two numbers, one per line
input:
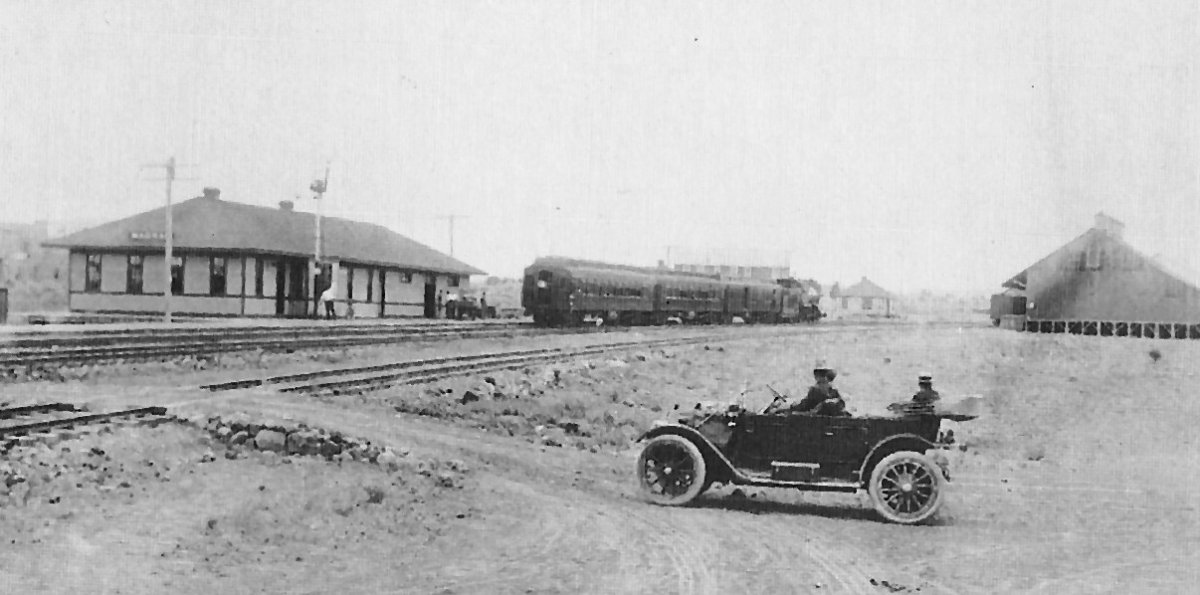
(1098, 278)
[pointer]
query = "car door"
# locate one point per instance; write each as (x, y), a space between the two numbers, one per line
(763, 439)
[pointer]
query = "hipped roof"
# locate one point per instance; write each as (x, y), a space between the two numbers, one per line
(864, 289)
(207, 223)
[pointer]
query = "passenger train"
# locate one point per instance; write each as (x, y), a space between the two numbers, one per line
(560, 291)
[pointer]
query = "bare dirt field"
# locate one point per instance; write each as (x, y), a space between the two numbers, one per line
(1080, 476)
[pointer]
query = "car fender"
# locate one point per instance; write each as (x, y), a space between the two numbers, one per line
(888, 446)
(718, 464)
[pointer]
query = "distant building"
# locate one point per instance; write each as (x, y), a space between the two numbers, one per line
(235, 259)
(22, 257)
(1097, 284)
(864, 298)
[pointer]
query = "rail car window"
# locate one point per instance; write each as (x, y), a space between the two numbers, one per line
(91, 277)
(133, 274)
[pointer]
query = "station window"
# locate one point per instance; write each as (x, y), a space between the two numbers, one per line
(91, 282)
(258, 277)
(370, 284)
(216, 276)
(350, 284)
(406, 276)
(177, 275)
(452, 281)
(133, 274)
(867, 303)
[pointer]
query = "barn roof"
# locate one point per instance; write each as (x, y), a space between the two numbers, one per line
(865, 289)
(1166, 266)
(207, 222)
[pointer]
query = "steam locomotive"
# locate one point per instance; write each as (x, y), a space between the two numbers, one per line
(560, 291)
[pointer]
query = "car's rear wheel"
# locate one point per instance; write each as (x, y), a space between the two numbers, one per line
(671, 470)
(906, 487)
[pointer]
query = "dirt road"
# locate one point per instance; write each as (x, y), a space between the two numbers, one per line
(1102, 503)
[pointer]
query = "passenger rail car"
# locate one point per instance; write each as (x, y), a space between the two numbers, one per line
(564, 292)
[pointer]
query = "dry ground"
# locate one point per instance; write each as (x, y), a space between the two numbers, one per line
(1079, 477)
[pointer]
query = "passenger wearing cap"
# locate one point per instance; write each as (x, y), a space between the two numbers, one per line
(926, 395)
(922, 402)
(822, 398)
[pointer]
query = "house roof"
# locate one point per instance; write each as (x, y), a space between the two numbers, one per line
(207, 222)
(864, 289)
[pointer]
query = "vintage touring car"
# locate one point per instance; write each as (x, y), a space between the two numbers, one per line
(895, 459)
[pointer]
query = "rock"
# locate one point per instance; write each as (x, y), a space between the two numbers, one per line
(330, 449)
(388, 460)
(489, 380)
(303, 442)
(446, 479)
(223, 433)
(239, 438)
(208, 456)
(469, 397)
(270, 440)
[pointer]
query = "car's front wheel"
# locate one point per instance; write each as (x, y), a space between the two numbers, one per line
(906, 487)
(671, 470)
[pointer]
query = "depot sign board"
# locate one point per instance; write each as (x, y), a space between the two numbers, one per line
(149, 236)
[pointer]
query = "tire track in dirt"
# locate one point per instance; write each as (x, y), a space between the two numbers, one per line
(561, 529)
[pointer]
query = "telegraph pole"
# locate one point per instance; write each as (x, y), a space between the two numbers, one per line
(451, 219)
(168, 240)
(318, 187)
(168, 243)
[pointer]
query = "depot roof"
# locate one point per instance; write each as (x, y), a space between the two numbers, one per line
(865, 289)
(210, 223)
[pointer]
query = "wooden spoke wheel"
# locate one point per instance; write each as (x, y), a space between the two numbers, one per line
(671, 470)
(906, 487)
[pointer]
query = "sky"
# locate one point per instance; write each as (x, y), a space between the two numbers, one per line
(941, 145)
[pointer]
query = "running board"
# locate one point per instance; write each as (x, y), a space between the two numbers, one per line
(813, 486)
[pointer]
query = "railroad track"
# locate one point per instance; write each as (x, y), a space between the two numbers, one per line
(37, 421)
(157, 344)
(369, 378)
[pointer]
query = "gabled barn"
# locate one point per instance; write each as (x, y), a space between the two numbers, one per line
(1097, 284)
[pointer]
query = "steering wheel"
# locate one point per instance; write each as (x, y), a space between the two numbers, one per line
(778, 398)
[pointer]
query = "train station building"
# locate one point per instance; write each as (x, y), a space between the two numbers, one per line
(236, 259)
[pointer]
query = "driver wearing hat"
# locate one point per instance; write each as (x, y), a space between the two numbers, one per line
(822, 398)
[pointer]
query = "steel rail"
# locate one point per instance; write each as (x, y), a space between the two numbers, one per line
(26, 341)
(422, 371)
(176, 335)
(234, 343)
(11, 412)
(67, 422)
